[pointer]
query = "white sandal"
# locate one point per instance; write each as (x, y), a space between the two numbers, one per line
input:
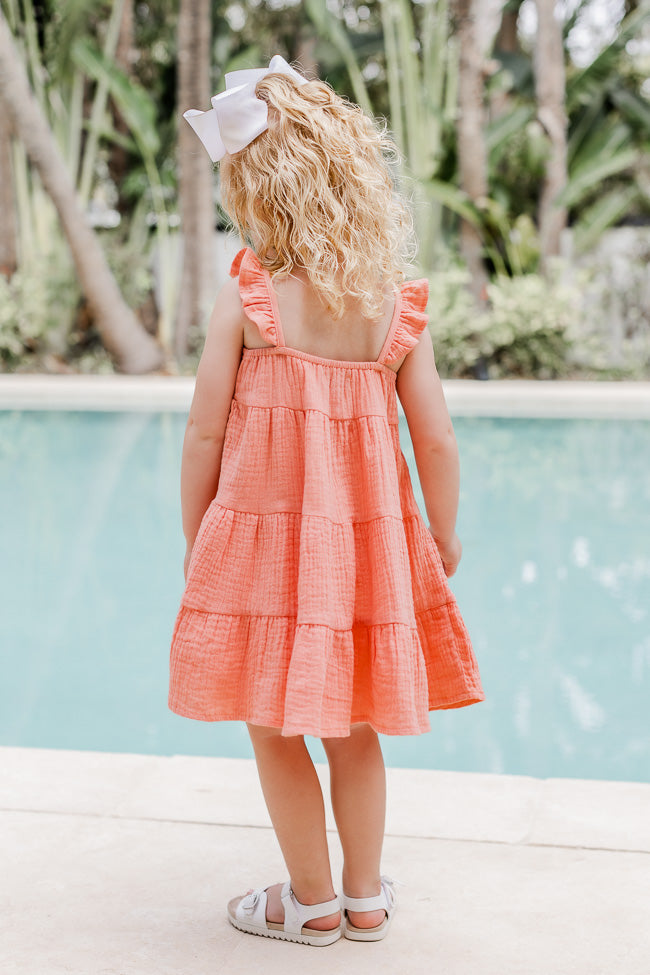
(385, 901)
(248, 913)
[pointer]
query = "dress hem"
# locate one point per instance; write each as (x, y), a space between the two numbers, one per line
(434, 673)
(289, 730)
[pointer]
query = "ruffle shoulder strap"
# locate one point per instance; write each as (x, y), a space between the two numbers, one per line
(255, 293)
(411, 321)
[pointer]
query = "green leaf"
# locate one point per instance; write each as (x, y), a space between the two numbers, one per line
(455, 200)
(411, 86)
(607, 211)
(134, 103)
(633, 107)
(593, 173)
(505, 126)
(583, 127)
(607, 137)
(331, 27)
(606, 65)
(108, 133)
(72, 22)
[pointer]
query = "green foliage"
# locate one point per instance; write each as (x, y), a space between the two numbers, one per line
(614, 327)
(130, 264)
(36, 308)
(528, 329)
(117, 128)
(517, 162)
(415, 62)
(138, 111)
(588, 322)
(608, 136)
(510, 245)
(603, 213)
(416, 58)
(455, 324)
(86, 96)
(330, 27)
(43, 318)
(134, 102)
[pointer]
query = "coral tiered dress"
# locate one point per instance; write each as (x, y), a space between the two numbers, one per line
(315, 595)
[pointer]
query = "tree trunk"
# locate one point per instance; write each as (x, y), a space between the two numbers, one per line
(550, 92)
(120, 331)
(195, 182)
(472, 154)
(505, 42)
(306, 59)
(507, 39)
(8, 242)
(118, 162)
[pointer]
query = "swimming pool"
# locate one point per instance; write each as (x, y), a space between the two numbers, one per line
(554, 587)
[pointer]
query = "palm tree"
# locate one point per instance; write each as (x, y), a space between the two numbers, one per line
(195, 173)
(550, 89)
(472, 153)
(134, 349)
(8, 243)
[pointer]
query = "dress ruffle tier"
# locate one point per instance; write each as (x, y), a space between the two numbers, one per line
(315, 595)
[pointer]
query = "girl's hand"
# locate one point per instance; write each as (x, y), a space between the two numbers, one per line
(450, 553)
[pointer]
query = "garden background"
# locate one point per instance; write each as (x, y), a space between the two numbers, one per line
(524, 129)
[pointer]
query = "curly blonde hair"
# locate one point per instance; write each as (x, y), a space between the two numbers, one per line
(315, 191)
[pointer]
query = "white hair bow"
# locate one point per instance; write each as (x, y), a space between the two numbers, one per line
(237, 115)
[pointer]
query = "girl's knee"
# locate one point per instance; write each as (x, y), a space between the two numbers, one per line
(361, 736)
(262, 735)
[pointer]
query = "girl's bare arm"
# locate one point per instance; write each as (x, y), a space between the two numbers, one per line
(206, 424)
(434, 444)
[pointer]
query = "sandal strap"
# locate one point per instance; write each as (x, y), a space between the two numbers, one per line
(364, 903)
(252, 907)
(383, 901)
(296, 914)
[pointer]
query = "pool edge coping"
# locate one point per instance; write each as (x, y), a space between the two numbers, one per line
(465, 397)
(423, 804)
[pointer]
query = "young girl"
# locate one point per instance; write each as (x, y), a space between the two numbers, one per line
(316, 598)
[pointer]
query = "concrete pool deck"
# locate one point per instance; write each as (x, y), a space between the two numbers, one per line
(122, 865)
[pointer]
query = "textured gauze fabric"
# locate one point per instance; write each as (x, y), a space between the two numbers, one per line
(315, 595)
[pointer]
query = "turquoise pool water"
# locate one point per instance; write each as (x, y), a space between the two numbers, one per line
(554, 587)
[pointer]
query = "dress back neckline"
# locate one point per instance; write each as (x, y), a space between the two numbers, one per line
(260, 304)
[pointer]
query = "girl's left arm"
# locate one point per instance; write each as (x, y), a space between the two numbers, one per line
(206, 424)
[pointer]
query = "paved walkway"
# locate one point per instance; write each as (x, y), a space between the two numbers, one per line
(122, 864)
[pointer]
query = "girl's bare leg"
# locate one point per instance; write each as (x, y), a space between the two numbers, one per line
(295, 803)
(358, 784)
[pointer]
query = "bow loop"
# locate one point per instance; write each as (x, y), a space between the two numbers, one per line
(237, 115)
(388, 885)
(250, 901)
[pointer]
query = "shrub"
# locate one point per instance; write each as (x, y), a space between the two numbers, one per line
(454, 321)
(614, 328)
(531, 327)
(44, 320)
(36, 308)
(527, 329)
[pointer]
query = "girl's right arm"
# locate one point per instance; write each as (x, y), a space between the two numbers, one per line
(206, 425)
(434, 444)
